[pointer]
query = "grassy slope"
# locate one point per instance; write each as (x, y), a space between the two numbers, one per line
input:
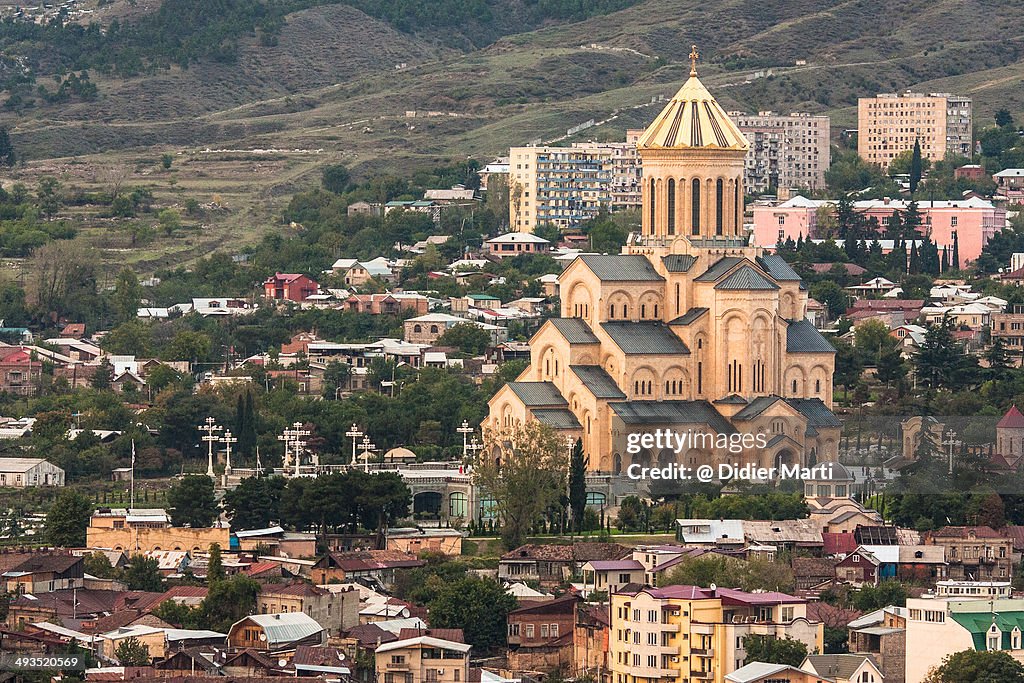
(330, 86)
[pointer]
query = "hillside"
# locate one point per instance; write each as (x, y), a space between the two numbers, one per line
(327, 89)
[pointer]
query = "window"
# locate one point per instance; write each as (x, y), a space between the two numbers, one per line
(671, 207)
(398, 659)
(695, 204)
(719, 207)
(653, 212)
(554, 630)
(543, 630)
(529, 630)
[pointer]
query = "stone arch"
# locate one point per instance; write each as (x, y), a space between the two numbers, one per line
(620, 306)
(666, 456)
(761, 344)
(617, 464)
(676, 383)
(787, 306)
(795, 382)
(734, 345)
(644, 383)
(650, 307)
(819, 380)
(579, 301)
(785, 456)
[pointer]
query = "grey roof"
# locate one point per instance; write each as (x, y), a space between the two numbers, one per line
(837, 666)
(777, 267)
(746, 277)
(803, 337)
(690, 316)
(756, 407)
(816, 412)
(718, 269)
(538, 394)
(286, 627)
(758, 671)
(732, 399)
(678, 263)
(644, 338)
(575, 331)
(672, 412)
(559, 418)
(621, 267)
(598, 381)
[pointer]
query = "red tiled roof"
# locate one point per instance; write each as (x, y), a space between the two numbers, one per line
(258, 568)
(299, 589)
(453, 634)
(1013, 419)
(838, 543)
(887, 305)
(1016, 532)
(965, 531)
(364, 560)
(185, 592)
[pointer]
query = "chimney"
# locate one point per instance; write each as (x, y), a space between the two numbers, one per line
(885, 200)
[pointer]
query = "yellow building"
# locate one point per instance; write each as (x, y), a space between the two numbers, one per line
(687, 633)
(691, 327)
(563, 186)
(145, 530)
(889, 124)
(422, 659)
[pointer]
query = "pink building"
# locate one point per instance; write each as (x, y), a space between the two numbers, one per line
(973, 220)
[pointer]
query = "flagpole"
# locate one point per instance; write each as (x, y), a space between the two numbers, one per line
(131, 496)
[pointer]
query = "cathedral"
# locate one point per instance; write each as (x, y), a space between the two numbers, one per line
(691, 327)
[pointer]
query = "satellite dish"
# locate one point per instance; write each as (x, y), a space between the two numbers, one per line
(341, 656)
(282, 662)
(263, 636)
(714, 587)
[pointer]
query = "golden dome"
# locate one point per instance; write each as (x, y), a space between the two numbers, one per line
(693, 119)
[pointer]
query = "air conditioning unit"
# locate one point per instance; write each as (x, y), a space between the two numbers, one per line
(675, 659)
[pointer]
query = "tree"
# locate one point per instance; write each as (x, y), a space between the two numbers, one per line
(888, 592)
(103, 375)
(255, 503)
(97, 564)
(1004, 119)
(577, 484)
(998, 358)
(215, 568)
(479, 606)
(130, 652)
(191, 502)
(169, 221)
(831, 295)
(524, 469)
(127, 295)
(383, 498)
(978, 666)
(772, 650)
(68, 519)
(955, 261)
(939, 356)
(143, 574)
(245, 423)
(230, 600)
(49, 195)
(166, 160)
(335, 178)
(7, 156)
(915, 167)
(467, 337)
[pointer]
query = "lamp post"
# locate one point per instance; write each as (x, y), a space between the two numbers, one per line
(354, 434)
(465, 430)
(227, 440)
(367, 448)
(211, 428)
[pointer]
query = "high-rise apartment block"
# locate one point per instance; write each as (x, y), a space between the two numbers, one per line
(786, 150)
(890, 123)
(565, 186)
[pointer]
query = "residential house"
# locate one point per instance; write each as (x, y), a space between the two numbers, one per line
(1010, 184)
(540, 635)
(762, 672)
(388, 303)
(844, 668)
(19, 371)
(381, 565)
(718, 533)
(415, 540)
(356, 273)
(590, 639)
(290, 287)
(553, 564)
(276, 632)
(883, 635)
(22, 473)
(611, 575)
(44, 573)
(427, 329)
(422, 659)
(365, 209)
(516, 244)
(335, 611)
(139, 530)
(862, 567)
(974, 552)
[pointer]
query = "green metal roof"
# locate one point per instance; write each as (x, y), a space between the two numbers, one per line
(672, 413)
(690, 316)
(978, 624)
(718, 269)
(678, 263)
(559, 418)
(816, 412)
(777, 267)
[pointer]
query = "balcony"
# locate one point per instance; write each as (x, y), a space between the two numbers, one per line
(702, 652)
(702, 675)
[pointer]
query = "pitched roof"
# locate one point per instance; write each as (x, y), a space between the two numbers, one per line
(578, 552)
(621, 267)
(599, 382)
(644, 338)
(836, 543)
(803, 337)
(672, 412)
(758, 671)
(557, 418)
(693, 118)
(47, 562)
(1013, 419)
(678, 263)
(367, 635)
(574, 330)
(285, 627)
(746, 278)
(299, 589)
(966, 532)
(453, 634)
(538, 394)
(756, 407)
(368, 560)
(816, 412)
(838, 666)
(563, 605)
(615, 565)
(427, 641)
(777, 267)
(690, 316)
(719, 268)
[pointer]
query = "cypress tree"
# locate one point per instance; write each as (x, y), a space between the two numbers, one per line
(7, 157)
(956, 252)
(577, 485)
(915, 167)
(945, 259)
(915, 260)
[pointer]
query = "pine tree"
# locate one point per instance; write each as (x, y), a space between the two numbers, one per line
(912, 221)
(915, 167)
(7, 157)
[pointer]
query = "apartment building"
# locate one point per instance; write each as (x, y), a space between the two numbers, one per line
(563, 186)
(626, 169)
(422, 659)
(1009, 327)
(890, 123)
(786, 150)
(334, 610)
(688, 633)
(974, 553)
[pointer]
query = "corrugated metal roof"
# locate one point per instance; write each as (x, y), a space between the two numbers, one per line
(690, 316)
(621, 267)
(598, 381)
(756, 407)
(644, 338)
(558, 418)
(672, 412)
(803, 337)
(777, 267)
(817, 413)
(746, 278)
(575, 331)
(286, 627)
(678, 263)
(538, 394)
(718, 269)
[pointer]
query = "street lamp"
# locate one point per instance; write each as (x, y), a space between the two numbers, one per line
(227, 440)
(354, 433)
(211, 428)
(367, 448)
(465, 430)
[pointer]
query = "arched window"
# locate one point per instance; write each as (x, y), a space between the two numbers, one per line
(417, 329)
(643, 311)
(677, 298)
(794, 387)
(719, 207)
(671, 206)
(625, 311)
(817, 386)
(695, 207)
(653, 212)
(700, 377)
(433, 329)
(611, 311)
(655, 310)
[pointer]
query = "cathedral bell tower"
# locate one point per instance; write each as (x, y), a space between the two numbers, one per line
(693, 158)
